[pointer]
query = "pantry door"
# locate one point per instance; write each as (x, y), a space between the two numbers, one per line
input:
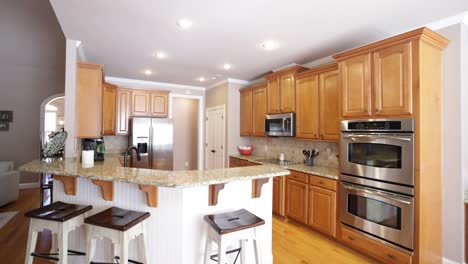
(215, 138)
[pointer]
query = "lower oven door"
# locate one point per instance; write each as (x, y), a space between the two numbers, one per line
(385, 215)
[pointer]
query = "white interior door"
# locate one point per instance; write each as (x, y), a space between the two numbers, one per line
(215, 138)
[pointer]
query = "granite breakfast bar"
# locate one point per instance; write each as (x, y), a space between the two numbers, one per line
(177, 201)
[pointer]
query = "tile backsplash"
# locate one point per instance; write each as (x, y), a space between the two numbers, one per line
(116, 144)
(292, 150)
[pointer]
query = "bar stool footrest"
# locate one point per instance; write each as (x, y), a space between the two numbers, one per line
(117, 258)
(238, 250)
(49, 256)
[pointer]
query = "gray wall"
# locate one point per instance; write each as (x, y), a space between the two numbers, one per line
(32, 68)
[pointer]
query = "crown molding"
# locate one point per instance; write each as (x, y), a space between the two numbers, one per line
(228, 81)
(449, 21)
(151, 84)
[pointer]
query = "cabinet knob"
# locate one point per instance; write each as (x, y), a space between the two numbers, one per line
(391, 256)
(377, 110)
(351, 238)
(320, 182)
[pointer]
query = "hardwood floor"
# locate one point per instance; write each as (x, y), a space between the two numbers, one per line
(296, 244)
(292, 243)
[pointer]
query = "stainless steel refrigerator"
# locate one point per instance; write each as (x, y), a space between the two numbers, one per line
(153, 137)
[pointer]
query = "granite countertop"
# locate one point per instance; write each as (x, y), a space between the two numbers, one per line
(110, 170)
(326, 172)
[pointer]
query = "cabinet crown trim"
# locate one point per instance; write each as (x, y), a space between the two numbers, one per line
(317, 70)
(420, 33)
(254, 87)
(293, 69)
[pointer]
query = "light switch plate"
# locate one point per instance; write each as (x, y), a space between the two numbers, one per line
(4, 126)
(6, 116)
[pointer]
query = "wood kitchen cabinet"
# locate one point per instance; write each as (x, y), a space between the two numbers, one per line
(281, 94)
(123, 111)
(109, 111)
(392, 80)
(279, 185)
(88, 100)
(296, 199)
(258, 111)
(246, 112)
(140, 104)
(322, 210)
(356, 86)
(329, 105)
(307, 114)
(149, 103)
(317, 106)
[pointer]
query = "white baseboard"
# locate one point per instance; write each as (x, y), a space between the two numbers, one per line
(449, 261)
(29, 185)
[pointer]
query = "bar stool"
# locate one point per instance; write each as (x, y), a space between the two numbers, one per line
(120, 226)
(229, 228)
(60, 218)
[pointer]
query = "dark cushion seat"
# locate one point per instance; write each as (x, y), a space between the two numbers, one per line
(58, 211)
(117, 218)
(233, 221)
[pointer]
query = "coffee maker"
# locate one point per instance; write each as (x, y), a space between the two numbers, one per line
(97, 145)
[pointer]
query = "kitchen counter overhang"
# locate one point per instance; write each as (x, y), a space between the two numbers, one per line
(170, 179)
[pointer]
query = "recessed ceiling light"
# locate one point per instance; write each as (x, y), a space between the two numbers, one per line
(160, 55)
(269, 45)
(184, 23)
(148, 72)
(227, 66)
(201, 79)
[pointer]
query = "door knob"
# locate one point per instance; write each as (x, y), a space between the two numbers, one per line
(213, 151)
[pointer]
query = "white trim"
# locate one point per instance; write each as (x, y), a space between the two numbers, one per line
(29, 185)
(125, 81)
(228, 80)
(449, 261)
(201, 124)
(449, 21)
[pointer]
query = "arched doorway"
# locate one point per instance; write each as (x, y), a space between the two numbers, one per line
(52, 116)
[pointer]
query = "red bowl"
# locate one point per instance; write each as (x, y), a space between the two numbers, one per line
(246, 152)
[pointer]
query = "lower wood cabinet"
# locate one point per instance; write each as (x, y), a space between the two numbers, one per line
(383, 253)
(296, 200)
(322, 210)
(278, 195)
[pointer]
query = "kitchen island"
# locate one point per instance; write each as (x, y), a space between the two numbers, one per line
(177, 201)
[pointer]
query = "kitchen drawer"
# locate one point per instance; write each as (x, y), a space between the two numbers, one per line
(298, 176)
(323, 182)
(378, 250)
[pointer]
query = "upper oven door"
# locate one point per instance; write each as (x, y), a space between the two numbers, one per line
(386, 157)
(385, 215)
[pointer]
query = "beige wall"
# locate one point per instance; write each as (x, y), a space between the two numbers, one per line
(185, 118)
(32, 68)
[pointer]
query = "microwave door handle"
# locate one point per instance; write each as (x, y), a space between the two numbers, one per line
(284, 125)
(392, 197)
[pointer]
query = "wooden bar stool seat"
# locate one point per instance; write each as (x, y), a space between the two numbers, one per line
(232, 227)
(120, 226)
(60, 218)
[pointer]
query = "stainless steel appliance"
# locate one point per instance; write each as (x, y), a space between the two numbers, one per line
(95, 144)
(280, 125)
(377, 179)
(379, 149)
(384, 215)
(153, 138)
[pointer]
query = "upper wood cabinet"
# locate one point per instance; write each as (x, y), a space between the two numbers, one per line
(317, 102)
(356, 86)
(109, 114)
(281, 94)
(246, 112)
(329, 86)
(88, 100)
(392, 80)
(149, 103)
(322, 210)
(307, 114)
(140, 103)
(123, 111)
(258, 111)
(159, 104)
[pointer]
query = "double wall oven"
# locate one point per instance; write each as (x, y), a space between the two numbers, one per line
(377, 179)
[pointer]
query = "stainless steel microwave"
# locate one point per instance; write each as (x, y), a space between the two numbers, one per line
(280, 125)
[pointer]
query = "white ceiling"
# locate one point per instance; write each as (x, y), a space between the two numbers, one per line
(123, 35)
